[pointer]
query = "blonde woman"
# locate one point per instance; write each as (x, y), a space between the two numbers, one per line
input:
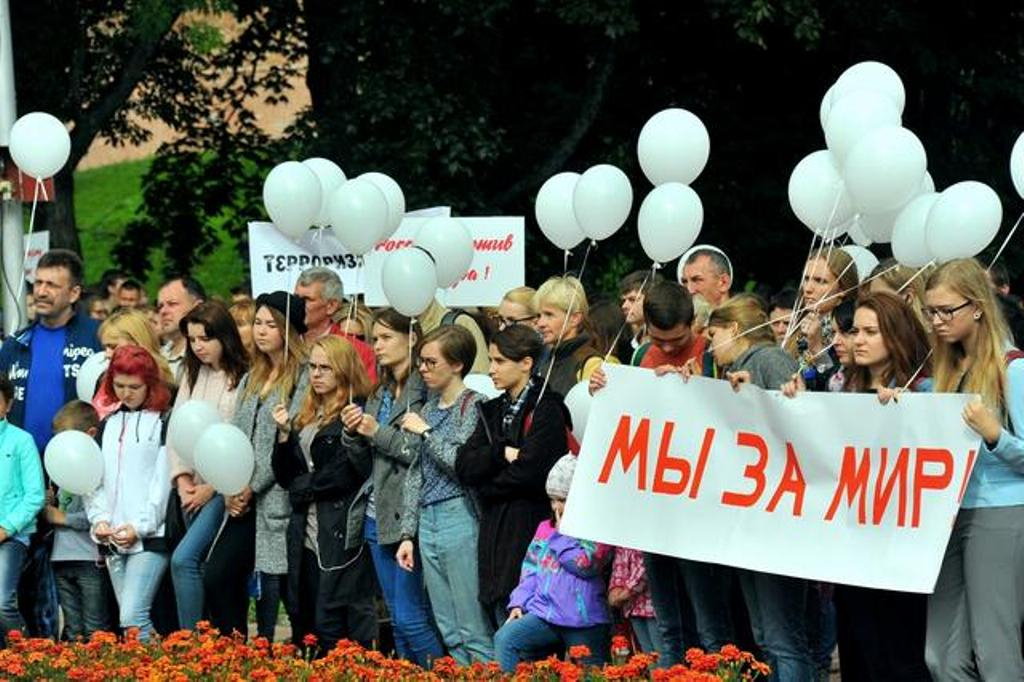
(562, 308)
(516, 307)
(357, 323)
(331, 581)
(128, 328)
(244, 313)
(974, 614)
(256, 538)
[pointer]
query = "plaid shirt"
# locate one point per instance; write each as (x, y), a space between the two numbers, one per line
(513, 409)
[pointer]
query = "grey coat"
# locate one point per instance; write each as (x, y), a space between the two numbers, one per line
(769, 365)
(256, 419)
(393, 452)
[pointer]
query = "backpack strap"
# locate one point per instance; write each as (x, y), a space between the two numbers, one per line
(448, 319)
(639, 354)
(570, 439)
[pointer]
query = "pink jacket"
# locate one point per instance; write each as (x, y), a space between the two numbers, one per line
(628, 573)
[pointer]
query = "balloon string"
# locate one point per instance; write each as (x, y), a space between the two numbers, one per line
(913, 377)
(1005, 242)
(625, 323)
(28, 243)
(923, 268)
(558, 342)
(586, 255)
(565, 261)
(408, 376)
(348, 321)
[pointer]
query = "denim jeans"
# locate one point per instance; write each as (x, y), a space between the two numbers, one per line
(447, 545)
(272, 591)
(188, 559)
(12, 560)
(777, 607)
(647, 634)
(416, 639)
(84, 591)
(136, 578)
(517, 640)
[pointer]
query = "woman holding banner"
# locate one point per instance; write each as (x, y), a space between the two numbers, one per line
(744, 345)
(974, 614)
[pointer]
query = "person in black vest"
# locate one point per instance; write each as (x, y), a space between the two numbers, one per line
(562, 309)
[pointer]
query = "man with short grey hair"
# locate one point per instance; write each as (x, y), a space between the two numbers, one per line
(324, 294)
(705, 270)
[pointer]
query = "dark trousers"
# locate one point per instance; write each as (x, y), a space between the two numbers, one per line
(272, 590)
(84, 591)
(328, 617)
(226, 578)
(881, 634)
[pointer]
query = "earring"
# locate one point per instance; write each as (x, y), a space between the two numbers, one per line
(977, 315)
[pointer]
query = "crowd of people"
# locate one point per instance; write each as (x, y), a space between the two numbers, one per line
(380, 475)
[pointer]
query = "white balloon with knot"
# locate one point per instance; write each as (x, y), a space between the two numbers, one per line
(602, 200)
(189, 422)
(409, 280)
(292, 197)
(450, 244)
(360, 215)
(669, 221)
(74, 461)
(1017, 165)
(394, 197)
(39, 144)
(909, 237)
(963, 221)
(89, 373)
(224, 457)
(818, 196)
(554, 211)
(673, 147)
(331, 177)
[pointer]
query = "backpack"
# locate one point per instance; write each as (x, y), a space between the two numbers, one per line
(570, 439)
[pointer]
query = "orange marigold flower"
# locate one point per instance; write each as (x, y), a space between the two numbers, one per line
(579, 651)
(309, 639)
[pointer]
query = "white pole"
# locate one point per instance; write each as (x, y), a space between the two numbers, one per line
(12, 245)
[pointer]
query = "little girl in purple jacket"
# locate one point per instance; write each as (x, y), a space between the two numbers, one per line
(561, 598)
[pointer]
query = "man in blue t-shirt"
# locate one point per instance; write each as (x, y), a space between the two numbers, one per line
(42, 362)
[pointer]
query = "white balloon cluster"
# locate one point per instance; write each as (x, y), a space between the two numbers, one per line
(362, 211)
(872, 180)
(221, 453)
(571, 207)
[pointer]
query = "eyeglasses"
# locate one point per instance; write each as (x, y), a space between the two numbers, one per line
(428, 363)
(944, 314)
(505, 322)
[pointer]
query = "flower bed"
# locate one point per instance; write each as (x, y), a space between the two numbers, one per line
(206, 655)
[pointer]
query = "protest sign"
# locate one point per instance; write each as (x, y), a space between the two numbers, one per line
(498, 263)
(831, 487)
(37, 243)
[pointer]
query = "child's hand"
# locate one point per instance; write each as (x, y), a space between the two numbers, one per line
(618, 597)
(515, 614)
(404, 556)
(55, 516)
(511, 454)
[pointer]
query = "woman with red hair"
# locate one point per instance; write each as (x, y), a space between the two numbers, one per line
(127, 510)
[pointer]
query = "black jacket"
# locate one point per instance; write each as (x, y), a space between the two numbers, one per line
(569, 359)
(338, 474)
(512, 495)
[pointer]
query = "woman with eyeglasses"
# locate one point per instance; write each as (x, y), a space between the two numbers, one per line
(439, 513)
(376, 429)
(974, 614)
(516, 307)
(330, 574)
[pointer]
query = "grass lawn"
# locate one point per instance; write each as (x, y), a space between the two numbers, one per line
(107, 199)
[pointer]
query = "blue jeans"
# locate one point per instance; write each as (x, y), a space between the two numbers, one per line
(777, 607)
(647, 634)
(447, 544)
(136, 578)
(415, 637)
(188, 559)
(12, 559)
(84, 592)
(517, 640)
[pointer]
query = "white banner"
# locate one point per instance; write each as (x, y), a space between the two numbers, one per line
(831, 487)
(498, 264)
(38, 243)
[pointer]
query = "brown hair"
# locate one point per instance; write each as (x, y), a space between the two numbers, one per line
(353, 382)
(457, 345)
(217, 324)
(905, 340)
(747, 312)
(401, 324)
(262, 366)
(76, 415)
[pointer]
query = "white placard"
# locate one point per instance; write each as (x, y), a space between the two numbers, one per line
(830, 487)
(38, 243)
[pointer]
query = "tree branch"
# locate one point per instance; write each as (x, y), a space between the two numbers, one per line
(92, 120)
(597, 88)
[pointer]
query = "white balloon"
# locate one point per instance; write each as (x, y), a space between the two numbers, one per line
(964, 220)
(331, 178)
(857, 234)
(578, 400)
(292, 197)
(359, 214)
(877, 226)
(395, 199)
(1017, 165)
(928, 185)
(89, 373)
(669, 221)
(864, 260)
(602, 200)
(74, 461)
(224, 458)
(871, 76)
(188, 423)
(825, 108)
(885, 169)
(409, 280)
(855, 115)
(481, 383)
(39, 144)
(909, 237)
(450, 243)
(553, 209)
(673, 147)
(818, 195)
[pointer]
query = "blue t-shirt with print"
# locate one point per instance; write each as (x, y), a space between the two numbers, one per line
(45, 389)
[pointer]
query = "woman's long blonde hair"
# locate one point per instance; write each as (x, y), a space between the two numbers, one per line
(262, 366)
(134, 327)
(353, 383)
(747, 312)
(987, 373)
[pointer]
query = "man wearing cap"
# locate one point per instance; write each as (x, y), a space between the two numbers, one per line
(706, 270)
(323, 293)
